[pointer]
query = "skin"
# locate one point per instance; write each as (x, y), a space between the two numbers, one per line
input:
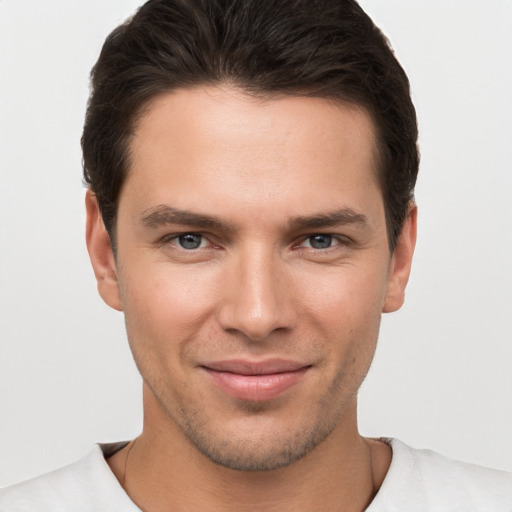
(258, 181)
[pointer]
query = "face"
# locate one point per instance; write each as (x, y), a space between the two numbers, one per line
(252, 267)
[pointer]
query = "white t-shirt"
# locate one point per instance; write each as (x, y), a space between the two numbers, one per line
(417, 481)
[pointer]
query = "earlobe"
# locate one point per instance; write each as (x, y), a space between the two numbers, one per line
(401, 261)
(101, 254)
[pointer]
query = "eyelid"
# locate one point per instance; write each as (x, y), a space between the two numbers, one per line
(341, 240)
(171, 239)
(335, 241)
(338, 240)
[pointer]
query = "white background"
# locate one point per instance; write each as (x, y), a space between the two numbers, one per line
(441, 378)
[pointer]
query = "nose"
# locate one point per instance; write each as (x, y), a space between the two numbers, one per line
(258, 296)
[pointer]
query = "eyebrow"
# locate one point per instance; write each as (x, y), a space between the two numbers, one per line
(166, 215)
(342, 217)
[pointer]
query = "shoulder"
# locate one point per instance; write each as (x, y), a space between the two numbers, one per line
(84, 486)
(427, 481)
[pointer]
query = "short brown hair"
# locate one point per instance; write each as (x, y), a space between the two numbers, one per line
(321, 48)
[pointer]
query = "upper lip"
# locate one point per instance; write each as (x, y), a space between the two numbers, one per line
(246, 367)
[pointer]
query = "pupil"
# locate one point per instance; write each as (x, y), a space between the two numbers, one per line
(320, 241)
(190, 241)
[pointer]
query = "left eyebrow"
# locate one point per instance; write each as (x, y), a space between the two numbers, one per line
(343, 217)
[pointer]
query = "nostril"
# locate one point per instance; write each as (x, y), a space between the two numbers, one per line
(255, 328)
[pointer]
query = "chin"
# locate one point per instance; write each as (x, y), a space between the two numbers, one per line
(265, 447)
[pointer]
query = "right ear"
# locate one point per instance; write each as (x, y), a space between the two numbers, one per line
(101, 253)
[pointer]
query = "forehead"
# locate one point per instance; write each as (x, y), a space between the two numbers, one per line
(232, 117)
(218, 147)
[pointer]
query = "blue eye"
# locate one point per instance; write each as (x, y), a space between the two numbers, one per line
(190, 241)
(320, 241)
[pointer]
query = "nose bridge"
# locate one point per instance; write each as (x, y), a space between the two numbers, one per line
(256, 301)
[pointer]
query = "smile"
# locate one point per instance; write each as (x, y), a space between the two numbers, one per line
(256, 382)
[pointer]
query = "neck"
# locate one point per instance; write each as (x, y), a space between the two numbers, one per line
(162, 468)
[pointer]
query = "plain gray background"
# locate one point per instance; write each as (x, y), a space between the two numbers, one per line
(441, 378)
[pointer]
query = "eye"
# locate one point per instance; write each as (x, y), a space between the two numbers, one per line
(190, 241)
(320, 241)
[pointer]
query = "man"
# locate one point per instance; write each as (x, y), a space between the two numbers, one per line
(251, 167)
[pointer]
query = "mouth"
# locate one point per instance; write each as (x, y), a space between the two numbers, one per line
(255, 381)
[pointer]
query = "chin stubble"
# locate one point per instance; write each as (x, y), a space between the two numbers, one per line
(265, 454)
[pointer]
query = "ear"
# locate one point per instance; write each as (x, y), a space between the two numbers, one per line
(101, 254)
(401, 260)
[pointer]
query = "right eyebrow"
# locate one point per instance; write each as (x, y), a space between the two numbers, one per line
(166, 215)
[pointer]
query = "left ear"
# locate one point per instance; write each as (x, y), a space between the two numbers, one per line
(401, 260)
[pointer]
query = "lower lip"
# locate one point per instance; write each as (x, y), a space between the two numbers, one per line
(256, 388)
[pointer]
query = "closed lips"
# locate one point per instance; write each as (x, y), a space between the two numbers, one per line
(260, 381)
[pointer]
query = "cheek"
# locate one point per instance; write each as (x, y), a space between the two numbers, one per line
(344, 296)
(345, 310)
(164, 306)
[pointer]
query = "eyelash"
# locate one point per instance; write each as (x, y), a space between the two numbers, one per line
(331, 238)
(337, 240)
(174, 240)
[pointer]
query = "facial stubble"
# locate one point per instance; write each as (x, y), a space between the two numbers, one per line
(260, 452)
